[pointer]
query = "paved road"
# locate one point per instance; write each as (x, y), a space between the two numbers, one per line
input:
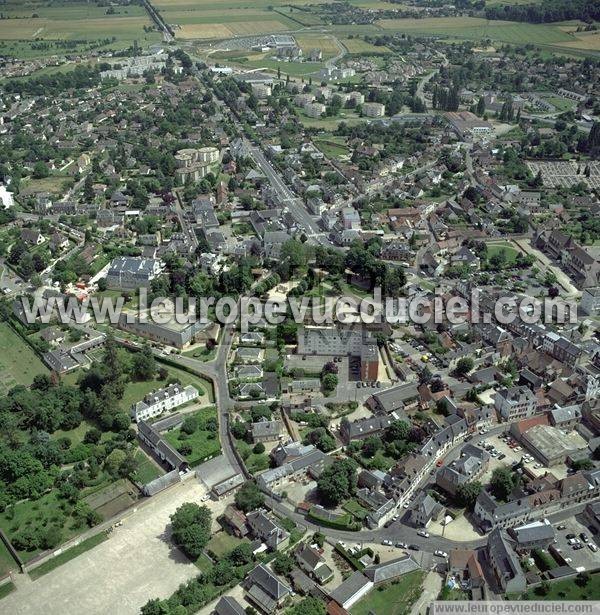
(186, 229)
(295, 204)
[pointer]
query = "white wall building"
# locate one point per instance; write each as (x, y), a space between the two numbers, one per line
(157, 402)
(6, 198)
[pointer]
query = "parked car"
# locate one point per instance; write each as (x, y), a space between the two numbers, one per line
(562, 526)
(414, 547)
(423, 533)
(401, 545)
(584, 537)
(387, 543)
(441, 554)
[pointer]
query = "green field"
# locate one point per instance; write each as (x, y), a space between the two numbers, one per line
(204, 443)
(36, 514)
(79, 22)
(147, 470)
(20, 365)
(568, 589)
(332, 147)
(358, 45)
(69, 554)
(475, 28)
(394, 598)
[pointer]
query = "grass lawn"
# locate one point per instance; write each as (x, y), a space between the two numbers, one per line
(378, 461)
(76, 435)
(204, 563)
(255, 462)
(69, 554)
(204, 444)
(331, 148)
(21, 364)
(567, 589)
(561, 104)
(355, 509)
(135, 391)
(325, 43)
(509, 251)
(147, 470)
(393, 598)
(330, 123)
(222, 543)
(6, 589)
(7, 561)
(202, 354)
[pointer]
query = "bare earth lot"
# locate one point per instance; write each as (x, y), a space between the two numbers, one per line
(120, 575)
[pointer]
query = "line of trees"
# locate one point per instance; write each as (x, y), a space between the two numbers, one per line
(547, 11)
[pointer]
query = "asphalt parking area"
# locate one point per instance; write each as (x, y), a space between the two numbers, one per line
(583, 558)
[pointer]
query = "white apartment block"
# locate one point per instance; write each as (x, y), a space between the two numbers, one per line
(373, 109)
(162, 400)
(330, 340)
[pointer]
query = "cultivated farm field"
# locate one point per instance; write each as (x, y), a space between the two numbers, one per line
(27, 24)
(475, 28)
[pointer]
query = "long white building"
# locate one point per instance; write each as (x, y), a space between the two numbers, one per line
(157, 402)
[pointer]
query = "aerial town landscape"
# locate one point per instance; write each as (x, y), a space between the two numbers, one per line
(299, 305)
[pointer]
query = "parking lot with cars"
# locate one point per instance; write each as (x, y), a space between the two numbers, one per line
(577, 544)
(505, 451)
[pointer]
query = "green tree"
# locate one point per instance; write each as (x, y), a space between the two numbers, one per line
(308, 606)
(283, 563)
(337, 482)
(330, 382)
(502, 483)
(464, 366)
(189, 425)
(144, 365)
(467, 494)
(249, 497)
(241, 555)
(191, 528)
